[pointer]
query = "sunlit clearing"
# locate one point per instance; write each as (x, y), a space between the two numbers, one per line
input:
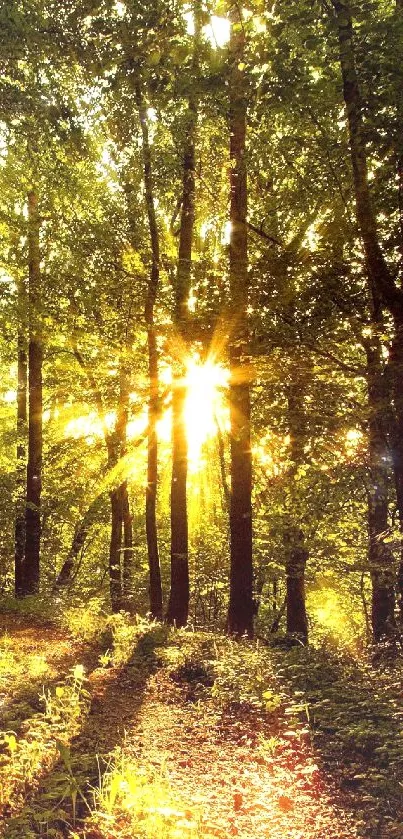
(205, 410)
(353, 442)
(87, 426)
(328, 609)
(226, 233)
(205, 406)
(190, 24)
(217, 31)
(10, 396)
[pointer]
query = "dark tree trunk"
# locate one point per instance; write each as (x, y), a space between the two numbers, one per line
(396, 436)
(127, 524)
(22, 376)
(30, 582)
(381, 562)
(80, 535)
(127, 559)
(398, 140)
(296, 559)
(241, 606)
(121, 541)
(115, 547)
(296, 552)
(381, 282)
(155, 590)
(178, 605)
(155, 586)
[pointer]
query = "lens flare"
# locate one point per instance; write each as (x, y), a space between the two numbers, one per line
(205, 406)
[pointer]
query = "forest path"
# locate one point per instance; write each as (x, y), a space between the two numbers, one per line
(187, 770)
(171, 761)
(232, 774)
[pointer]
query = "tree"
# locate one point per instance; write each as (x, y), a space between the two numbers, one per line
(30, 583)
(241, 608)
(156, 604)
(178, 605)
(384, 291)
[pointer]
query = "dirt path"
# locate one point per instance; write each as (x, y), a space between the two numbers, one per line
(225, 776)
(175, 764)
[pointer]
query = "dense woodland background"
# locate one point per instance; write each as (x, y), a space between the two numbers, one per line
(201, 218)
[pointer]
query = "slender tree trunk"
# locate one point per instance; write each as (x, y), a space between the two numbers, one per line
(115, 547)
(22, 382)
(296, 551)
(80, 535)
(121, 524)
(155, 586)
(398, 93)
(178, 605)
(296, 560)
(155, 589)
(127, 562)
(127, 524)
(381, 282)
(30, 584)
(241, 606)
(381, 562)
(396, 380)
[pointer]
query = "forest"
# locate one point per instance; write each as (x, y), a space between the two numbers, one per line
(201, 400)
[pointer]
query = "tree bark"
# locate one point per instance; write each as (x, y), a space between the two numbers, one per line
(80, 535)
(155, 586)
(241, 606)
(115, 547)
(115, 441)
(381, 562)
(178, 604)
(121, 540)
(296, 552)
(381, 282)
(30, 583)
(127, 524)
(21, 466)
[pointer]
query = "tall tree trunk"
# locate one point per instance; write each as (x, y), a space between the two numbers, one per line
(121, 540)
(155, 586)
(79, 538)
(127, 560)
(396, 436)
(115, 547)
(381, 562)
(296, 551)
(381, 282)
(22, 382)
(121, 523)
(398, 142)
(178, 605)
(30, 583)
(127, 524)
(241, 606)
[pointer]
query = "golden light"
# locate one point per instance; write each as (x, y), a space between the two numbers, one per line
(217, 31)
(205, 412)
(205, 406)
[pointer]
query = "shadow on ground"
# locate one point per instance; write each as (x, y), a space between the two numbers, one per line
(355, 715)
(64, 794)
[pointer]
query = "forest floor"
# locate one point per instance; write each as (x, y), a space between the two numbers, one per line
(191, 736)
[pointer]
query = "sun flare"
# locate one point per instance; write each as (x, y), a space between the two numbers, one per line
(206, 412)
(205, 405)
